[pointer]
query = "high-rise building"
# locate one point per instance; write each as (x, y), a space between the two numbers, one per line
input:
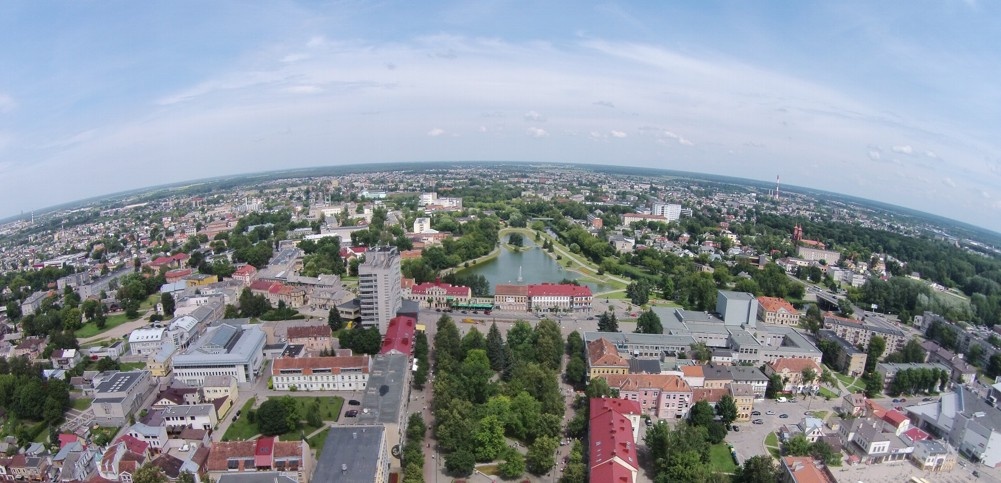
(379, 287)
(668, 210)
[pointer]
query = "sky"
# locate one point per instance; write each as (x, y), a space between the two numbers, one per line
(895, 101)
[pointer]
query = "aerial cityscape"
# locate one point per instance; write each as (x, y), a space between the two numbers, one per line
(492, 241)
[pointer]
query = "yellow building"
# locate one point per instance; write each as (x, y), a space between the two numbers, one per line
(743, 397)
(603, 359)
(201, 279)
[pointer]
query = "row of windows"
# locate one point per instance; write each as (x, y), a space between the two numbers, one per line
(284, 378)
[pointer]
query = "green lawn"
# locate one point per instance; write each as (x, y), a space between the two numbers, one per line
(82, 404)
(90, 329)
(328, 407)
(820, 414)
(316, 442)
(149, 302)
(721, 459)
(827, 392)
(772, 440)
(132, 366)
(242, 428)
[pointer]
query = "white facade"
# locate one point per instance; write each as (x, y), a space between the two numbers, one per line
(379, 287)
(194, 416)
(226, 350)
(144, 342)
(670, 211)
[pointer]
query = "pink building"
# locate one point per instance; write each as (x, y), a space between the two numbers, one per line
(664, 396)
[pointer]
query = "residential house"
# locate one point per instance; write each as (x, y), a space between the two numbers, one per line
(860, 332)
(603, 359)
(399, 336)
(196, 416)
(751, 376)
(65, 358)
(267, 453)
(120, 462)
(934, 455)
(743, 396)
(29, 467)
(694, 376)
(120, 396)
(791, 371)
(314, 338)
(661, 395)
(631, 410)
(849, 360)
(853, 404)
(348, 373)
(775, 310)
(612, 449)
(803, 469)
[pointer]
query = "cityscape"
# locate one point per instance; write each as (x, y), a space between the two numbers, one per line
(500, 241)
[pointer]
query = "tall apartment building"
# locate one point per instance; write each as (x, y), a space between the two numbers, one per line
(379, 287)
(668, 210)
(859, 332)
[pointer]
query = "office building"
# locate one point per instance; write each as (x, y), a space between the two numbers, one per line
(379, 287)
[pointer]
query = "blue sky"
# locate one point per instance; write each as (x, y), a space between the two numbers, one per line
(892, 101)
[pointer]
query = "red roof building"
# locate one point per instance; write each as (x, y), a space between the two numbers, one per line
(439, 295)
(612, 448)
(399, 338)
(563, 296)
(245, 274)
(177, 274)
(775, 310)
(329, 373)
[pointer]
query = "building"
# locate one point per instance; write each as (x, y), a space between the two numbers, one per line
(65, 358)
(289, 458)
(189, 416)
(423, 225)
(399, 338)
(348, 373)
(511, 297)
(437, 295)
(379, 287)
(791, 371)
(629, 409)
(314, 338)
(604, 359)
(803, 469)
(245, 274)
(612, 448)
(121, 395)
(559, 297)
(661, 395)
(967, 422)
(354, 453)
(743, 397)
(775, 310)
(849, 359)
(33, 303)
(933, 455)
(630, 218)
(225, 350)
(818, 255)
(670, 211)
(737, 308)
(860, 332)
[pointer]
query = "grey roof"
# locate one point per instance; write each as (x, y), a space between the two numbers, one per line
(224, 344)
(743, 338)
(828, 334)
(731, 295)
(384, 391)
(623, 339)
(932, 447)
(120, 382)
(350, 453)
(746, 373)
(644, 366)
(188, 410)
(256, 477)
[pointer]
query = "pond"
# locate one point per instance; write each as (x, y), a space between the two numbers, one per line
(534, 265)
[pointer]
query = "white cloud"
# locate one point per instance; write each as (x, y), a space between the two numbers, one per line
(534, 117)
(303, 89)
(931, 154)
(536, 132)
(483, 129)
(436, 132)
(905, 149)
(948, 182)
(874, 154)
(617, 134)
(685, 142)
(294, 57)
(604, 104)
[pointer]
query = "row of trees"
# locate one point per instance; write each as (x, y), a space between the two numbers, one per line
(917, 380)
(413, 450)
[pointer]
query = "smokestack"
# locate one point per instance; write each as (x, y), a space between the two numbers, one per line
(777, 183)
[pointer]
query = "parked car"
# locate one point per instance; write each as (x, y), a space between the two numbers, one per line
(758, 421)
(755, 413)
(895, 400)
(770, 412)
(927, 399)
(352, 413)
(783, 416)
(903, 399)
(735, 428)
(354, 402)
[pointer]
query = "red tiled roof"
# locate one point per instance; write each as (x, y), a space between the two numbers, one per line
(261, 285)
(600, 405)
(308, 331)
(634, 382)
(610, 437)
(602, 352)
(160, 261)
(773, 304)
(693, 371)
(264, 451)
(558, 290)
(610, 472)
(247, 269)
(804, 470)
(308, 364)
(894, 417)
(708, 395)
(916, 434)
(133, 444)
(399, 335)
(222, 451)
(795, 364)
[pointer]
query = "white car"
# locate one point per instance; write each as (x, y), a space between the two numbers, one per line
(770, 412)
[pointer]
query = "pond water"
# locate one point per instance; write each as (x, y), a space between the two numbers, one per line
(536, 266)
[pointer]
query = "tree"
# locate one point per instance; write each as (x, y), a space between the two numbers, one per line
(516, 240)
(575, 344)
(541, 455)
(701, 414)
(334, 319)
(362, 340)
(149, 474)
(797, 445)
(576, 372)
(167, 300)
(473, 340)
(701, 352)
(717, 432)
(845, 307)
(649, 323)
(608, 323)
(495, 347)
(107, 364)
(639, 292)
(775, 386)
(548, 344)
(877, 345)
(756, 469)
(460, 462)
(277, 416)
(726, 408)
(513, 465)
(873, 384)
(488, 439)
(809, 375)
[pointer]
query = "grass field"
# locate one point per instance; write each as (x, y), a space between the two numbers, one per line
(90, 329)
(329, 409)
(82, 404)
(771, 440)
(827, 392)
(721, 459)
(131, 366)
(317, 441)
